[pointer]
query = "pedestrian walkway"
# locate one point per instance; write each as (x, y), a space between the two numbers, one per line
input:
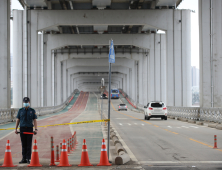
(44, 133)
(92, 132)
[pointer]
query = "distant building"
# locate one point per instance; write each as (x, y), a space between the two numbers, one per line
(195, 76)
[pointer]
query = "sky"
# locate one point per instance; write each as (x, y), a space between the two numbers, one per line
(185, 4)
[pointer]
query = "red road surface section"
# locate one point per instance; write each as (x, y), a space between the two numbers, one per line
(44, 133)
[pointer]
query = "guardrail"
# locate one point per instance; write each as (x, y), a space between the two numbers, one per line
(184, 112)
(9, 115)
(131, 101)
(196, 113)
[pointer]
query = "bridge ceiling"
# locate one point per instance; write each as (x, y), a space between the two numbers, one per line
(101, 4)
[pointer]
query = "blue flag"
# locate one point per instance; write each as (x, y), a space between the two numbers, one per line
(111, 53)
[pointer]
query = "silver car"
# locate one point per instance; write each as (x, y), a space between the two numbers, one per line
(122, 107)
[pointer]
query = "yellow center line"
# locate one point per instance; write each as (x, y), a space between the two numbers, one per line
(166, 129)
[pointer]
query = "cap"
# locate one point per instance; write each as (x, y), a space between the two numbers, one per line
(26, 100)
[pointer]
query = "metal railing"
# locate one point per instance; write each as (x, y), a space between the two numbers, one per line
(196, 113)
(9, 115)
(184, 112)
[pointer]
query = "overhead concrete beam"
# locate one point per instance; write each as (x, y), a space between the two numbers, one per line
(99, 62)
(51, 18)
(56, 41)
(66, 56)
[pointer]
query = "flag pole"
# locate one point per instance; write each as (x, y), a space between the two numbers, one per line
(108, 138)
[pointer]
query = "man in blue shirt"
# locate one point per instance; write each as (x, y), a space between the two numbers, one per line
(26, 117)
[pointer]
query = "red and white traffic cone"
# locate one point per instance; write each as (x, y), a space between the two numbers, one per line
(84, 156)
(64, 161)
(104, 161)
(35, 156)
(8, 156)
(215, 142)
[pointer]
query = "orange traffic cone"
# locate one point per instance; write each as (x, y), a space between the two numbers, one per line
(85, 156)
(64, 161)
(35, 156)
(104, 157)
(8, 156)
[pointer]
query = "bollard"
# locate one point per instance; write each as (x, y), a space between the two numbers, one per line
(57, 153)
(73, 142)
(68, 146)
(215, 142)
(60, 149)
(52, 153)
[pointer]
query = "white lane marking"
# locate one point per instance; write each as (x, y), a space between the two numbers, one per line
(120, 124)
(142, 124)
(169, 126)
(129, 124)
(7, 134)
(178, 162)
(184, 126)
(131, 155)
(121, 118)
(194, 126)
(135, 123)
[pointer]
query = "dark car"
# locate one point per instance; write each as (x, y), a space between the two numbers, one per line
(103, 96)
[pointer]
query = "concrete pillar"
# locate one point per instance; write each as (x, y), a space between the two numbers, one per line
(25, 53)
(140, 82)
(145, 80)
(151, 67)
(40, 70)
(45, 63)
(210, 33)
(163, 90)
(157, 67)
(64, 78)
(33, 60)
(17, 58)
(179, 60)
(134, 81)
(55, 79)
(5, 73)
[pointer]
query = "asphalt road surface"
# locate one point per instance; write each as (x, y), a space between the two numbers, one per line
(166, 144)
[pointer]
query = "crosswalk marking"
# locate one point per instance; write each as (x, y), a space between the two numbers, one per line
(129, 124)
(194, 126)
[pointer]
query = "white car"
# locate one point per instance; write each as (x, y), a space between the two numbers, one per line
(155, 109)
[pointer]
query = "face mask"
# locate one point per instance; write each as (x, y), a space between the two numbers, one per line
(25, 104)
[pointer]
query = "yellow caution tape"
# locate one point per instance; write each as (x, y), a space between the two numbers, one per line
(91, 121)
